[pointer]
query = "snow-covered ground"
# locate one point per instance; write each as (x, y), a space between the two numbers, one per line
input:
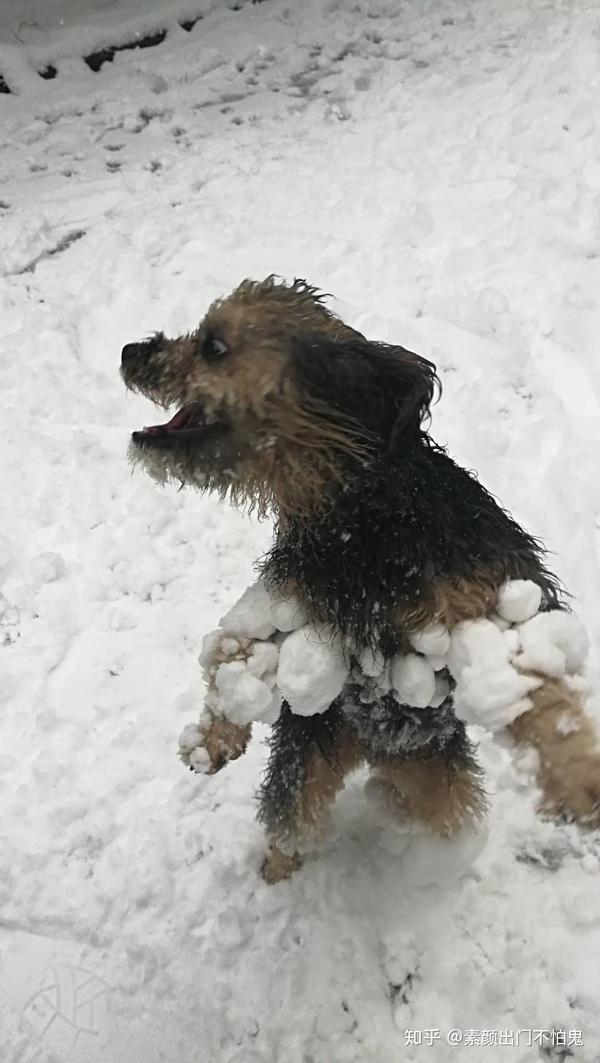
(436, 166)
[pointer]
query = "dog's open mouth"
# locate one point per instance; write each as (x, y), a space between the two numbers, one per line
(190, 424)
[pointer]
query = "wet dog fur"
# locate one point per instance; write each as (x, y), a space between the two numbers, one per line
(286, 410)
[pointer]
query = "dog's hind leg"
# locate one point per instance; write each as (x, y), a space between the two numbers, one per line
(310, 758)
(423, 766)
(434, 793)
(568, 749)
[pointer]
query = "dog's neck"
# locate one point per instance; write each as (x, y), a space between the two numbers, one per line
(348, 559)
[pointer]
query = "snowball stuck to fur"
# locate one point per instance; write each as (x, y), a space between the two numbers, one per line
(243, 697)
(263, 658)
(250, 617)
(413, 680)
(210, 646)
(511, 640)
(489, 689)
(519, 600)
(554, 643)
(287, 613)
(437, 662)
(434, 639)
(311, 671)
(487, 658)
(475, 641)
(492, 698)
(199, 760)
(229, 646)
(190, 737)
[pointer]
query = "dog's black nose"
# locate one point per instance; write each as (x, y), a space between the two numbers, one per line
(129, 352)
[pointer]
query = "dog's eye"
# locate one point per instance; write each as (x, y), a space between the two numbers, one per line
(213, 349)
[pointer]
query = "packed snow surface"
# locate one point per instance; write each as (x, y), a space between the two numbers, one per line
(435, 166)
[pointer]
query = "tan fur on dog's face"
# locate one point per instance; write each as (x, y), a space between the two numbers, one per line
(279, 401)
(264, 444)
(255, 323)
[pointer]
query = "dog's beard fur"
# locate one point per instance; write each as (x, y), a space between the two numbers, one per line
(184, 464)
(286, 462)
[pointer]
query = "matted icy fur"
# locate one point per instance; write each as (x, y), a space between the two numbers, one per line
(265, 653)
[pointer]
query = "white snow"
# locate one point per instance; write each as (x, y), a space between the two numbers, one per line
(258, 614)
(413, 680)
(212, 643)
(199, 760)
(47, 567)
(438, 663)
(263, 658)
(492, 662)
(287, 614)
(476, 641)
(240, 675)
(518, 600)
(490, 691)
(434, 641)
(427, 859)
(435, 166)
(250, 617)
(243, 696)
(431, 860)
(312, 670)
(553, 643)
(190, 737)
(229, 646)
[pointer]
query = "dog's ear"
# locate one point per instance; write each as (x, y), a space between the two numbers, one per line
(385, 390)
(414, 383)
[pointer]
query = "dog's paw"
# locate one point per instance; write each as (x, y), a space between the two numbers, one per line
(218, 647)
(278, 866)
(207, 747)
(241, 679)
(573, 793)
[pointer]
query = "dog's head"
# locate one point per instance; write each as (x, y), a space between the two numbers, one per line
(276, 398)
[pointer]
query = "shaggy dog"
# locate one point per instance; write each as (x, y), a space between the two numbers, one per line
(283, 408)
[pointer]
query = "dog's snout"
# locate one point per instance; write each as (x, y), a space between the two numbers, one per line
(130, 352)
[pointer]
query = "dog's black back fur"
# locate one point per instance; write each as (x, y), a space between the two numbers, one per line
(402, 517)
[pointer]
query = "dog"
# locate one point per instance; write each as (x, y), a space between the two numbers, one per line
(285, 410)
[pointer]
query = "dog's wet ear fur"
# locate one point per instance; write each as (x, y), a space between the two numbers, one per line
(385, 391)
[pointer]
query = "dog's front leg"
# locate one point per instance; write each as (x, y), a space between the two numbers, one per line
(240, 677)
(213, 742)
(209, 745)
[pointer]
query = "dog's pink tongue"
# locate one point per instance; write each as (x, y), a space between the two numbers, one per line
(181, 418)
